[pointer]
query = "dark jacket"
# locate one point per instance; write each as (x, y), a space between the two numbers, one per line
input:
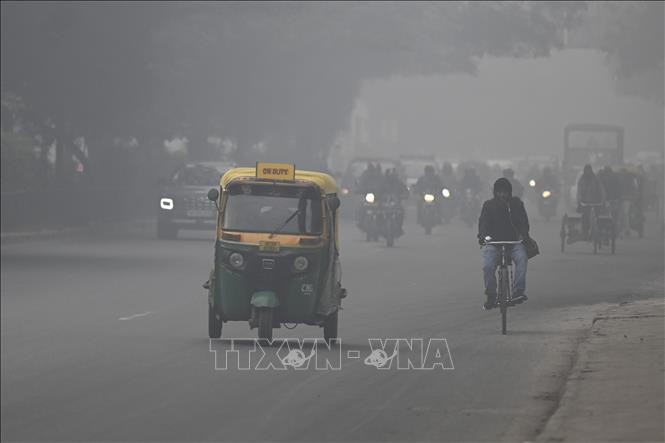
(503, 221)
(429, 183)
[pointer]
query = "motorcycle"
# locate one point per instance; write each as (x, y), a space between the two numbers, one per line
(429, 216)
(389, 217)
(447, 205)
(368, 222)
(470, 207)
(547, 203)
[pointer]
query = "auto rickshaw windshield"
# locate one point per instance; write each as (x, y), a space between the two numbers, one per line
(265, 208)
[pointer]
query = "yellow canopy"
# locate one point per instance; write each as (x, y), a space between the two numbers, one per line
(322, 180)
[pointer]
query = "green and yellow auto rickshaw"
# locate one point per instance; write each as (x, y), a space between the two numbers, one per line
(276, 250)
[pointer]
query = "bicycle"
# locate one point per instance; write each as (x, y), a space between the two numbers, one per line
(505, 281)
(601, 227)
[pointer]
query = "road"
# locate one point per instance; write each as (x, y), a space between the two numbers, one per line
(104, 337)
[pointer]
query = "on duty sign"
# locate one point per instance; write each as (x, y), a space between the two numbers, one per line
(276, 171)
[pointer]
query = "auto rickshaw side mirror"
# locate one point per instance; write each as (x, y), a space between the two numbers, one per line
(213, 194)
(334, 203)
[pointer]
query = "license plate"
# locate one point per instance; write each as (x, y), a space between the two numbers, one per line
(269, 246)
(203, 213)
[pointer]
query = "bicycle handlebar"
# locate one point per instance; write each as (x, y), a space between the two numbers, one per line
(512, 242)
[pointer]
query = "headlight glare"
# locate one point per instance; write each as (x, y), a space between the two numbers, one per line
(546, 194)
(166, 204)
(369, 198)
(429, 198)
(445, 193)
(532, 183)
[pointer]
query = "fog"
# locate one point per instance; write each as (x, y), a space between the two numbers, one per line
(512, 107)
(152, 290)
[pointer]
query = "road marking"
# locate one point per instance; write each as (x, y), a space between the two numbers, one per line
(135, 316)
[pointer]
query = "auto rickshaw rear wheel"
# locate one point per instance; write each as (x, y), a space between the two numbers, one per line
(265, 324)
(330, 327)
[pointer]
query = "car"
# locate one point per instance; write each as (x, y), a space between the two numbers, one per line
(183, 201)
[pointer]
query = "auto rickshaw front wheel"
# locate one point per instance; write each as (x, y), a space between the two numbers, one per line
(330, 327)
(265, 324)
(214, 323)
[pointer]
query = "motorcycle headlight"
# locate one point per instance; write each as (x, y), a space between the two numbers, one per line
(445, 193)
(369, 198)
(546, 194)
(429, 198)
(532, 183)
(236, 260)
(300, 263)
(166, 204)
(345, 191)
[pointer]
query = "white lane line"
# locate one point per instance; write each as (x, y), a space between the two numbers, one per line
(135, 316)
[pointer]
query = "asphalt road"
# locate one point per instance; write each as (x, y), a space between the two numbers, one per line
(105, 338)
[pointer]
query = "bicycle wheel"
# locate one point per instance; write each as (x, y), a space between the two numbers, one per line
(504, 284)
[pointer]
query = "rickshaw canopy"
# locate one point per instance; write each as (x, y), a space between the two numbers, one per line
(323, 181)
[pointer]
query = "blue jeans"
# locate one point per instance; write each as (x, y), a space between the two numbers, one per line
(491, 257)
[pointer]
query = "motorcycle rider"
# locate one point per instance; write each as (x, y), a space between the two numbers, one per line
(430, 182)
(503, 218)
(393, 185)
(518, 189)
(611, 182)
(371, 181)
(548, 181)
(471, 180)
(589, 190)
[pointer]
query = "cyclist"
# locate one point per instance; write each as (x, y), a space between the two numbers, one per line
(503, 218)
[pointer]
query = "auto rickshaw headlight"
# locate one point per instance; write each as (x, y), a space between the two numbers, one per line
(166, 203)
(546, 194)
(369, 198)
(445, 192)
(300, 263)
(236, 260)
(429, 198)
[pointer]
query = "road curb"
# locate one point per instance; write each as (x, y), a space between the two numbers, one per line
(615, 388)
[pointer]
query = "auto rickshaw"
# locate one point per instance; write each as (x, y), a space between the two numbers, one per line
(276, 250)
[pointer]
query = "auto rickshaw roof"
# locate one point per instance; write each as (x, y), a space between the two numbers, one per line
(324, 181)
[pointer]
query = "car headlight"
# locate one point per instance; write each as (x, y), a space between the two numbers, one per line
(445, 193)
(236, 260)
(429, 198)
(532, 183)
(546, 194)
(166, 204)
(300, 263)
(369, 198)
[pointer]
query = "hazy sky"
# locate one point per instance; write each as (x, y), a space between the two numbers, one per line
(512, 107)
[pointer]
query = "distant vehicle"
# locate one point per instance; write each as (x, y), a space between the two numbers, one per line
(183, 199)
(358, 165)
(588, 143)
(414, 167)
